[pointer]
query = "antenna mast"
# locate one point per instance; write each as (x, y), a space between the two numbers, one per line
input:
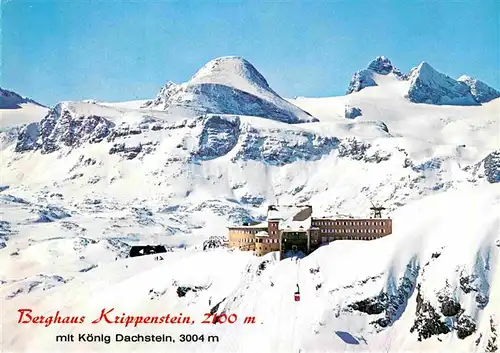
(377, 210)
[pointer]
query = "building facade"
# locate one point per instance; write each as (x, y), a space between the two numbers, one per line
(293, 231)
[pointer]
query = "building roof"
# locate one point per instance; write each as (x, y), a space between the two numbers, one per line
(291, 217)
(262, 234)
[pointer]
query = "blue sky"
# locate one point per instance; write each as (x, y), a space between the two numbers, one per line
(124, 50)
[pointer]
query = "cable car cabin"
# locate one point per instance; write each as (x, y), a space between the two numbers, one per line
(296, 295)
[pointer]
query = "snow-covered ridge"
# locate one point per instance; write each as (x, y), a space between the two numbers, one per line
(12, 100)
(425, 84)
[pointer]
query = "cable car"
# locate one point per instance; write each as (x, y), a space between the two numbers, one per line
(297, 294)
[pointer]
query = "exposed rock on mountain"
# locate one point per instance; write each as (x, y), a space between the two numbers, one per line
(219, 135)
(432, 87)
(428, 322)
(228, 85)
(466, 326)
(272, 147)
(352, 112)
(383, 66)
(492, 167)
(62, 127)
(163, 96)
(360, 80)
(365, 78)
(481, 92)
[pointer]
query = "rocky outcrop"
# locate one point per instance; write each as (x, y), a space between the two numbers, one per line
(51, 213)
(38, 282)
(465, 326)
(371, 306)
(383, 66)
(481, 92)
(352, 112)
(279, 147)
(427, 322)
(361, 79)
(183, 290)
(5, 231)
(62, 127)
(492, 345)
(131, 151)
(449, 306)
(391, 304)
(476, 285)
(219, 136)
(27, 139)
(163, 97)
(492, 167)
(432, 87)
(358, 150)
(9, 135)
(213, 242)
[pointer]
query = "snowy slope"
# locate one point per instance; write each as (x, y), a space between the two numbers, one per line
(90, 179)
(432, 256)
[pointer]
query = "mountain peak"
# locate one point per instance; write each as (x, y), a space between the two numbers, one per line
(382, 65)
(430, 86)
(232, 71)
(366, 78)
(481, 92)
(228, 85)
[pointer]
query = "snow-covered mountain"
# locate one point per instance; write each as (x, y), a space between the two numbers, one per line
(426, 85)
(88, 180)
(432, 87)
(227, 85)
(16, 110)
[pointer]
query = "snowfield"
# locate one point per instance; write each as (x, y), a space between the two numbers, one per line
(87, 180)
